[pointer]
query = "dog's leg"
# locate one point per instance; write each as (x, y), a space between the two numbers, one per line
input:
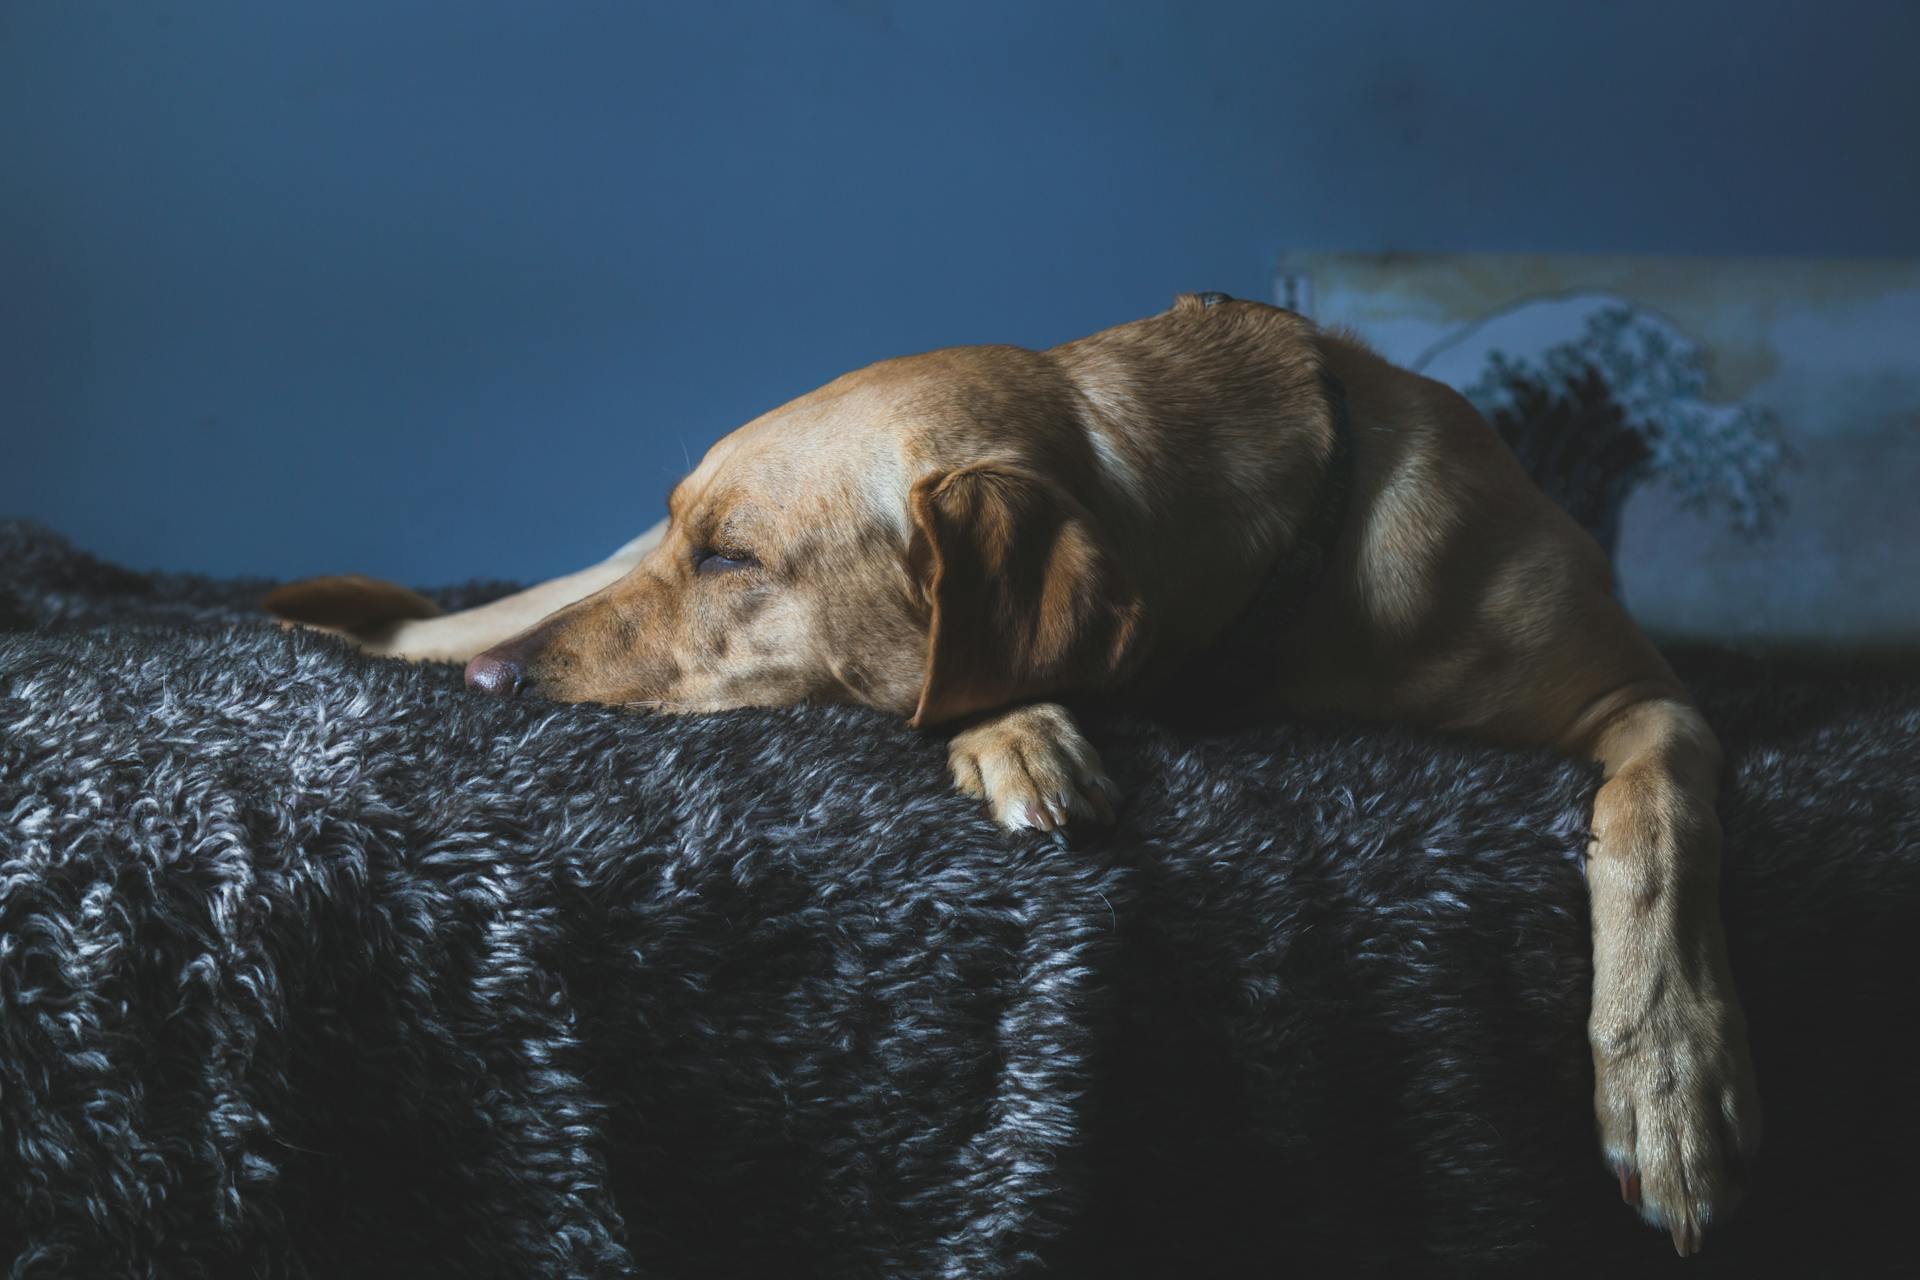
(1674, 1089)
(387, 620)
(1032, 767)
(456, 637)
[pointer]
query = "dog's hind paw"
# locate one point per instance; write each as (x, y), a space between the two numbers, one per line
(1678, 1111)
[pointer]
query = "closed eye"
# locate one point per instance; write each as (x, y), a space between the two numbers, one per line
(708, 561)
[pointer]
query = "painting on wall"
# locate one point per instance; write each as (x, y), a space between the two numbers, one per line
(1772, 407)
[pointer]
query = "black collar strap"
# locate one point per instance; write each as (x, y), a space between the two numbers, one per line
(1221, 676)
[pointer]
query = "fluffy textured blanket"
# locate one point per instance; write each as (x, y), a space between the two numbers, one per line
(318, 965)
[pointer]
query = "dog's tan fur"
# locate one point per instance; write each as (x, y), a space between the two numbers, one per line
(960, 537)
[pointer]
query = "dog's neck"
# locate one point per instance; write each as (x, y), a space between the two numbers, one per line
(1293, 578)
(1218, 679)
(1214, 431)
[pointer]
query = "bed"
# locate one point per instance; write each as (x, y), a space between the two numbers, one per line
(314, 964)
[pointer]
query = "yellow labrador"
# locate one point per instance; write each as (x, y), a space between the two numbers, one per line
(963, 537)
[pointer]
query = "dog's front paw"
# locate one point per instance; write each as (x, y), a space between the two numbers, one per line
(1677, 1103)
(1033, 768)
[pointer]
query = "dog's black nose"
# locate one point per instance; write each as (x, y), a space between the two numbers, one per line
(491, 673)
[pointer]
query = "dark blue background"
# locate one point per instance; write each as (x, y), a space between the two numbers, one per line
(439, 290)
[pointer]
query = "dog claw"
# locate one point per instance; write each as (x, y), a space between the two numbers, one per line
(1033, 770)
(1686, 1234)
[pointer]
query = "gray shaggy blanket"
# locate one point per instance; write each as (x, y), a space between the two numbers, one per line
(317, 965)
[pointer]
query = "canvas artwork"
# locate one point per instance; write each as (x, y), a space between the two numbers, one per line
(1760, 476)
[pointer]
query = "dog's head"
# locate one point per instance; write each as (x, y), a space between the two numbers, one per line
(912, 537)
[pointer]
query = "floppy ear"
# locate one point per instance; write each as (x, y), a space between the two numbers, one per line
(347, 602)
(1026, 599)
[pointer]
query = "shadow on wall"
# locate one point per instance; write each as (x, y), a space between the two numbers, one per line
(430, 292)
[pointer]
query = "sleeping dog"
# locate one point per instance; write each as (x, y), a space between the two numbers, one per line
(1220, 501)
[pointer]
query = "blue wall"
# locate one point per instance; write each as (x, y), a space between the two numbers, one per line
(443, 290)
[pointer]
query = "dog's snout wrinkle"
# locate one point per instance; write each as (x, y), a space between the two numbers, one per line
(493, 673)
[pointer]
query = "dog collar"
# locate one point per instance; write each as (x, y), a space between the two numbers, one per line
(1222, 674)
